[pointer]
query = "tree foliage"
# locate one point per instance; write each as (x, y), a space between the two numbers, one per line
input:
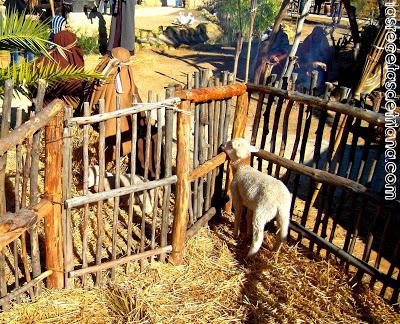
(233, 16)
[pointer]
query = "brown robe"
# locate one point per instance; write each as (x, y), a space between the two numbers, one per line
(70, 91)
(110, 66)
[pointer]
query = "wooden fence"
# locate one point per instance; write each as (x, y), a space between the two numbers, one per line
(333, 163)
(24, 202)
(330, 162)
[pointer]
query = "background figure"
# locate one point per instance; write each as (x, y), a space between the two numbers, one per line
(314, 53)
(122, 26)
(58, 23)
(70, 91)
(276, 55)
(119, 81)
(317, 6)
(336, 10)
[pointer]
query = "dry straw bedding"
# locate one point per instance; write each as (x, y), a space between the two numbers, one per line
(216, 285)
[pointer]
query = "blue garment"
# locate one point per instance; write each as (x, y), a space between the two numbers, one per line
(57, 23)
(29, 56)
(15, 56)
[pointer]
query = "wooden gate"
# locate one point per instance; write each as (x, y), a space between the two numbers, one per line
(125, 216)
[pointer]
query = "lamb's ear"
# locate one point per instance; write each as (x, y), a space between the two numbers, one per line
(253, 149)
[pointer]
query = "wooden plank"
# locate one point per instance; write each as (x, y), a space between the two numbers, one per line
(12, 225)
(211, 108)
(326, 177)
(285, 128)
(182, 187)
(34, 248)
(138, 108)
(30, 127)
(85, 192)
(257, 118)
(277, 116)
(158, 171)
(95, 197)
(133, 172)
(267, 115)
(116, 185)
(208, 166)
(53, 189)
(16, 293)
(34, 181)
(102, 169)
(120, 261)
(344, 255)
(67, 184)
(201, 222)
(197, 107)
(8, 94)
(17, 206)
(213, 93)
(374, 118)
(169, 126)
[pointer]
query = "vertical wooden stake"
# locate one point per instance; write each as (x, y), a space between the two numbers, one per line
(53, 190)
(252, 17)
(239, 44)
(239, 127)
(182, 186)
(8, 94)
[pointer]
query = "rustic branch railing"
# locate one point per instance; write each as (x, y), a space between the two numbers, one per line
(331, 157)
(320, 103)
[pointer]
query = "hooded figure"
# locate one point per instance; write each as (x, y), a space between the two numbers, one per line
(274, 54)
(119, 75)
(122, 31)
(314, 53)
(70, 91)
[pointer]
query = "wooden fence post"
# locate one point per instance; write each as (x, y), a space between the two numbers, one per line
(239, 127)
(53, 190)
(8, 93)
(182, 186)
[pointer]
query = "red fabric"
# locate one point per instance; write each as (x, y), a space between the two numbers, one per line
(70, 91)
(74, 55)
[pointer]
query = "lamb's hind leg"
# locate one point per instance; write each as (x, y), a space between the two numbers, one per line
(260, 218)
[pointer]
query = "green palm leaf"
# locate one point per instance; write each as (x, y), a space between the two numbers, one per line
(26, 75)
(18, 32)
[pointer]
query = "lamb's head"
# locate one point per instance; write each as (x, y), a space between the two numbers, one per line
(239, 149)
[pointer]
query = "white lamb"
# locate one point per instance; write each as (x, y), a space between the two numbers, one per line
(263, 195)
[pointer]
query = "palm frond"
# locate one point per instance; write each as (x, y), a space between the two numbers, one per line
(18, 32)
(26, 75)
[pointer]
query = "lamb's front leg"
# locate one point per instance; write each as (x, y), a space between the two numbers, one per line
(238, 207)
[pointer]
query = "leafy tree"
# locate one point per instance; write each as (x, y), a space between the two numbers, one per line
(32, 35)
(234, 15)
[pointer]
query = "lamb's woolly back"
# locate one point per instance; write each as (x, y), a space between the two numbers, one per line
(262, 194)
(253, 184)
